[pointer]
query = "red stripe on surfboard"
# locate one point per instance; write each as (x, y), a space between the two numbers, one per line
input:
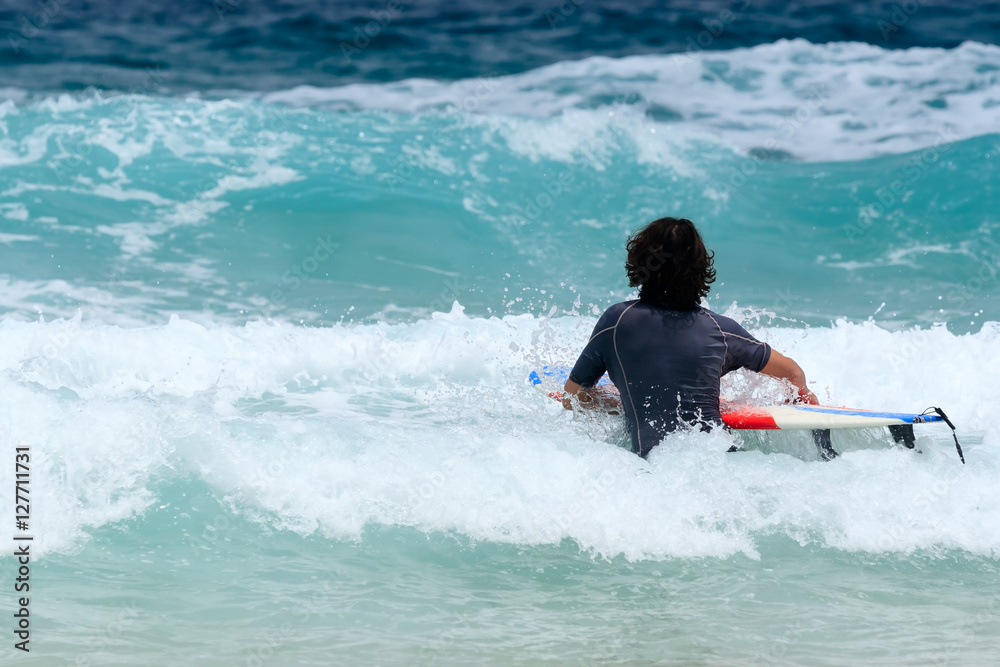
(747, 417)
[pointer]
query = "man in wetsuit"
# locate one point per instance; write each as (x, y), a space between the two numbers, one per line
(664, 352)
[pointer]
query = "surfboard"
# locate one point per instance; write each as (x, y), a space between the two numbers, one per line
(550, 380)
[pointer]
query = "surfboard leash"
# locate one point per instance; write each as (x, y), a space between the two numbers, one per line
(947, 421)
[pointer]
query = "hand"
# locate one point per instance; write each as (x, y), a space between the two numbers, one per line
(806, 397)
(784, 368)
(605, 399)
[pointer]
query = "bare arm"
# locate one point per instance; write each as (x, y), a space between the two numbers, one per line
(784, 368)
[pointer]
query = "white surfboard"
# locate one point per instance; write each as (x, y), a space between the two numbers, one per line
(817, 418)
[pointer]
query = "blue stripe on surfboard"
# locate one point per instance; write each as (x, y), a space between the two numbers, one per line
(560, 374)
(907, 417)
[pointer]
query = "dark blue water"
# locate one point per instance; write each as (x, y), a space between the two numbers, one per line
(254, 45)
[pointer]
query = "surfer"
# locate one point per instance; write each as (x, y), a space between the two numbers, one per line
(664, 352)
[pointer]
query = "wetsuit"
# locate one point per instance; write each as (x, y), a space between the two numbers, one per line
(667, 365)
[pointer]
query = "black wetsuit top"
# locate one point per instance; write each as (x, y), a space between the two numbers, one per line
(667, 364)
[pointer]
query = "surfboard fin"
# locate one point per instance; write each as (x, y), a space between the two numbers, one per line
(903, 435)
(821, 436)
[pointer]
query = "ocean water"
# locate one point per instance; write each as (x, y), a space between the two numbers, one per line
(269, 305)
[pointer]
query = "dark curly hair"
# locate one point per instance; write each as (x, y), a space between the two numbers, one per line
(668, 262)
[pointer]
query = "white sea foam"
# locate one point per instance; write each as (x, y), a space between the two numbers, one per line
(432, 425)
(837, 101)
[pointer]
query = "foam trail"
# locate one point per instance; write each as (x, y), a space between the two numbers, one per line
(850, 100)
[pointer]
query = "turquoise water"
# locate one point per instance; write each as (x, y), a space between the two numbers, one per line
(269, 353)
(400, 596)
